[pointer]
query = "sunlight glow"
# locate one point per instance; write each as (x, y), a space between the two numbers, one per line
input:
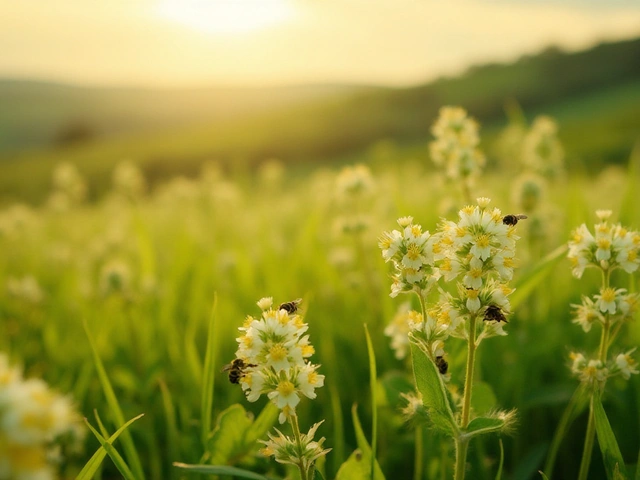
(226, 16)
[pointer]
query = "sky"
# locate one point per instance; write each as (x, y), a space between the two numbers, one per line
(185, 43)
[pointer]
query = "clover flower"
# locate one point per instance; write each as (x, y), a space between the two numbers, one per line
(455, 146)
(32, 418)
(608, 248)
(276, 350)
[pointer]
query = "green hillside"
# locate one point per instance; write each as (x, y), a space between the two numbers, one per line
(595, 95)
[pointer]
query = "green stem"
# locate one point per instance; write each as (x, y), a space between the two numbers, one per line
(417, 463)
(590, 434)
(461, 458)
(463, 443)
(423, 307)
(296, 433)
(468, 381)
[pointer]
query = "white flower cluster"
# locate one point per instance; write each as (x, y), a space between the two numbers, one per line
(611, 247)
(26, 288)
(69, 188)
(275, 351)
(128, 180)
(412, 253)
(477, 252)
(542, 152)
(455, 148)
(286, 449)
(611, 305)
(32, 417)
(595, 372)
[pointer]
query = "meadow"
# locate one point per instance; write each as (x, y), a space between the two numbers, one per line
(131, 304)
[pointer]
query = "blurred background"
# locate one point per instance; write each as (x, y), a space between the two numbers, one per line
(153, 152)
(171, 83)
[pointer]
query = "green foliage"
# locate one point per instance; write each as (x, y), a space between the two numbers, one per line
(434, 395)
(221, 470)
(236, 434)
(613, 461)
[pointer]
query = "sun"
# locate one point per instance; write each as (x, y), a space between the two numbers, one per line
(226, 16)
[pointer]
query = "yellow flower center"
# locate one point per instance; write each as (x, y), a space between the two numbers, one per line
(285, 388)
(473, 294)
(446, 265)
(508, 262)
(483, 241)
(633, 254)
(460, 232)
(475, 272)
(312, 378)
(468, 209)
(307, 350)
(603, 243)
(416, 231)
(608, 295)
(413, 252)
(278, 352)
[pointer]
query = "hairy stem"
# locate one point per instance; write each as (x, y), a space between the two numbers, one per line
(461, 458)
(296, 433)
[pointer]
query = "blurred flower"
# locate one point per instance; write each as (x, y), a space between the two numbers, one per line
(25, 288)
(542, 152)
(626, 364)
(115, 277)
(354, 181)
(455, 146)
(128, 180)
(32, 418)
(287, 450)
(528, 190)
(405, 321)
(68, 181)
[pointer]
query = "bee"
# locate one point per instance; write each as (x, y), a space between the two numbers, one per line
(512, 219)
(237, 369)
(442, 365)
(290, 307)
(493, 312)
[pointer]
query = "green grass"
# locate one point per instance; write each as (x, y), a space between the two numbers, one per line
(278, 239)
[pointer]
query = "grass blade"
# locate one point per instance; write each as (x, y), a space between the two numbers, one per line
(118, 461)
(611, 455)
(208, 382)
(91, 467)
(499, 474)
(533, 277)
(373, 384)
(112, 401)
(221, 470)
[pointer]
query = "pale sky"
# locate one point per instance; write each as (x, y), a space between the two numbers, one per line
(267, 42)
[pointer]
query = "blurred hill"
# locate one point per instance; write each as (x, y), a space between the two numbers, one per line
(595, 95)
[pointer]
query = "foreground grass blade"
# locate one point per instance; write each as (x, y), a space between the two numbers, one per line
(373, 386)
(358, 465)
(91, 467)
(532, 278)
(118, 461)
(576, 405)
(112, 401)
(611, 455)
(499, 474)
(208, 378)
(221, 470)
(544, 477)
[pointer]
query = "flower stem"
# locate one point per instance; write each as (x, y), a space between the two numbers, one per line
(590, 434)
(417, 463)
(463, 443)
(296, 433)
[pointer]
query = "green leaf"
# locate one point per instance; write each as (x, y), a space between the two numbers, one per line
(118, 461)
(613, 462)
(208, 379)
(127, 441)
(483, 398)
(373, 381)
(262, 424)
(355, 468)
(483, 425)
(227, 441)
(434, 397)
(362, 457)
(544, 477)
(533, 277)
(91, 467)
(221, 470)
(638, 468)
(576, 405)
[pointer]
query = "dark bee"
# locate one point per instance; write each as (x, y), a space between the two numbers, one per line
(290, 307)
(237, 369)
(494, 313)
(512, 219)
(442, 365)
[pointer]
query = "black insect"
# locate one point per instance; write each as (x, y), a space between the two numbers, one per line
(494, 313)
(290, 307)
(512, 219)
(237, 369)
(442, 365)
